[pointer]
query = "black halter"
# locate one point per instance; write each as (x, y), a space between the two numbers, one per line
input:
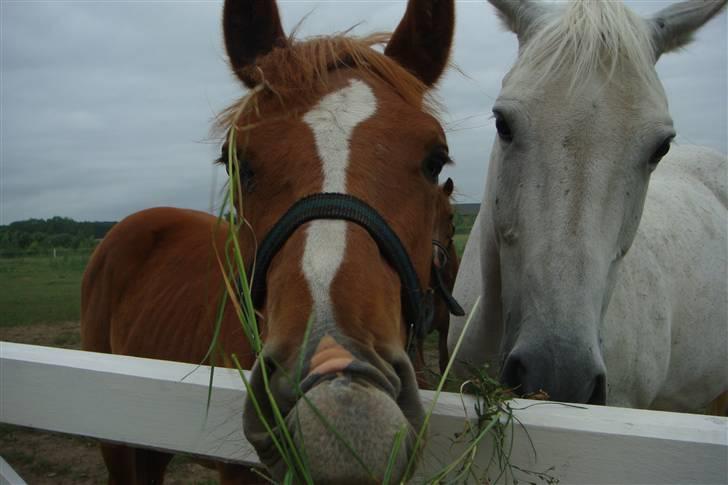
(417, 304)
(438, 281)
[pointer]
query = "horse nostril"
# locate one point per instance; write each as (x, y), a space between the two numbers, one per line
(599, 392)
(565, 379)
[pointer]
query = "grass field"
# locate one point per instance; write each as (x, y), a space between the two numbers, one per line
(43, 289)
(40, 289)
(460, 240)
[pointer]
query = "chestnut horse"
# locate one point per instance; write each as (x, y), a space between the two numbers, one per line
(331, 129)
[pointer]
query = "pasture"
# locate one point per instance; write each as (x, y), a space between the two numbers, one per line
(40, 289)
(39, 304)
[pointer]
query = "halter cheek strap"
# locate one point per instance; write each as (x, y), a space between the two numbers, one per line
(439, 282)
(417, 304)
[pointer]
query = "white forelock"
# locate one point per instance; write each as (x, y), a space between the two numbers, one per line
(587, 37)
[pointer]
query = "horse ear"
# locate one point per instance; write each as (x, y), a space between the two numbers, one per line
(673, 27)
(421, 43)
(251, 28)
(448, 187)
(517, 15)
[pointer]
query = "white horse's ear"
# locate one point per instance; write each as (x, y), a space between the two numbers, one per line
(673, 27)
(518, 15)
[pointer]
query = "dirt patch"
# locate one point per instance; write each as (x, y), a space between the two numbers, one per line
(55, 459)
(62, 334)
(40, 457)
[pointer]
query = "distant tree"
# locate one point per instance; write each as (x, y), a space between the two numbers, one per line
(23, 240)
(44, 234)
(61, 240)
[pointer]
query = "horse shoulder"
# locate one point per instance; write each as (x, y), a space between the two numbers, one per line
(667, 315)
(704, 165)
(153, 284)
(636, 332)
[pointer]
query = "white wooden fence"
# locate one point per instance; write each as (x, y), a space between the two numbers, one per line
(161, 405)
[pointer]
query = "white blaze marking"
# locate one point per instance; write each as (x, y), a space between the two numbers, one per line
(332, 121)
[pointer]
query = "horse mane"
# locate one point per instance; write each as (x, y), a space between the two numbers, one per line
(587, 37)
(299, 73)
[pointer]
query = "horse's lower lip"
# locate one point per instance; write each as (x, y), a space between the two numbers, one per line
(312, 380)
(355, 371)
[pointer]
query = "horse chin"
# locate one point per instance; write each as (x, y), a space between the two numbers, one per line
(342, 424)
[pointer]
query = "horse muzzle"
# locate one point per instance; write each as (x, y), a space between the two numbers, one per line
(564, 374)
(344, 416)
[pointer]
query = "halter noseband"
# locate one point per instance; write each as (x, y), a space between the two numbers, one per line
(417, 304)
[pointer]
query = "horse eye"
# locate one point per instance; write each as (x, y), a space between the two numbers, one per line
(504, 130)
(223, 159)
(661, 151)
(433, 163)
(246, 173)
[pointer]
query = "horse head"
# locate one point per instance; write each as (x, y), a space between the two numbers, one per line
(338, 192)
(582, 122)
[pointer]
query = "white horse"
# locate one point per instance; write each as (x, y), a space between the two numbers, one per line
(596, 289)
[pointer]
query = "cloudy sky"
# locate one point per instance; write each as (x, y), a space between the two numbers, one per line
(105, 106)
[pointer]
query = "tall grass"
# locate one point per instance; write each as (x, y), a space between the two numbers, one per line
(237, 292)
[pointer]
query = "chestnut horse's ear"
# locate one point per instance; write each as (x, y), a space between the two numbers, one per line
(423, 38)
(448, 187)
(251, 28)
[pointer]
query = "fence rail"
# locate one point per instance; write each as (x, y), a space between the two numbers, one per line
(162, 405)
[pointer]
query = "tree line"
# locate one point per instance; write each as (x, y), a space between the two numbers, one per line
(36, 236)
(41, 236)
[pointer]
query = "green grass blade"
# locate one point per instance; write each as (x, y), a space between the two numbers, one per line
(396, 445)
(426, 422)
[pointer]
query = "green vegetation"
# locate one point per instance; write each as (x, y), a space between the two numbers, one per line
(41, 289)
(35, 287)
(43, 236)
(463, 223)
(41, 266)
(38, 288)
(460, 240)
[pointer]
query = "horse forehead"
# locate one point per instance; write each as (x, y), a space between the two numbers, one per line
(597, 99)
(339, 112)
